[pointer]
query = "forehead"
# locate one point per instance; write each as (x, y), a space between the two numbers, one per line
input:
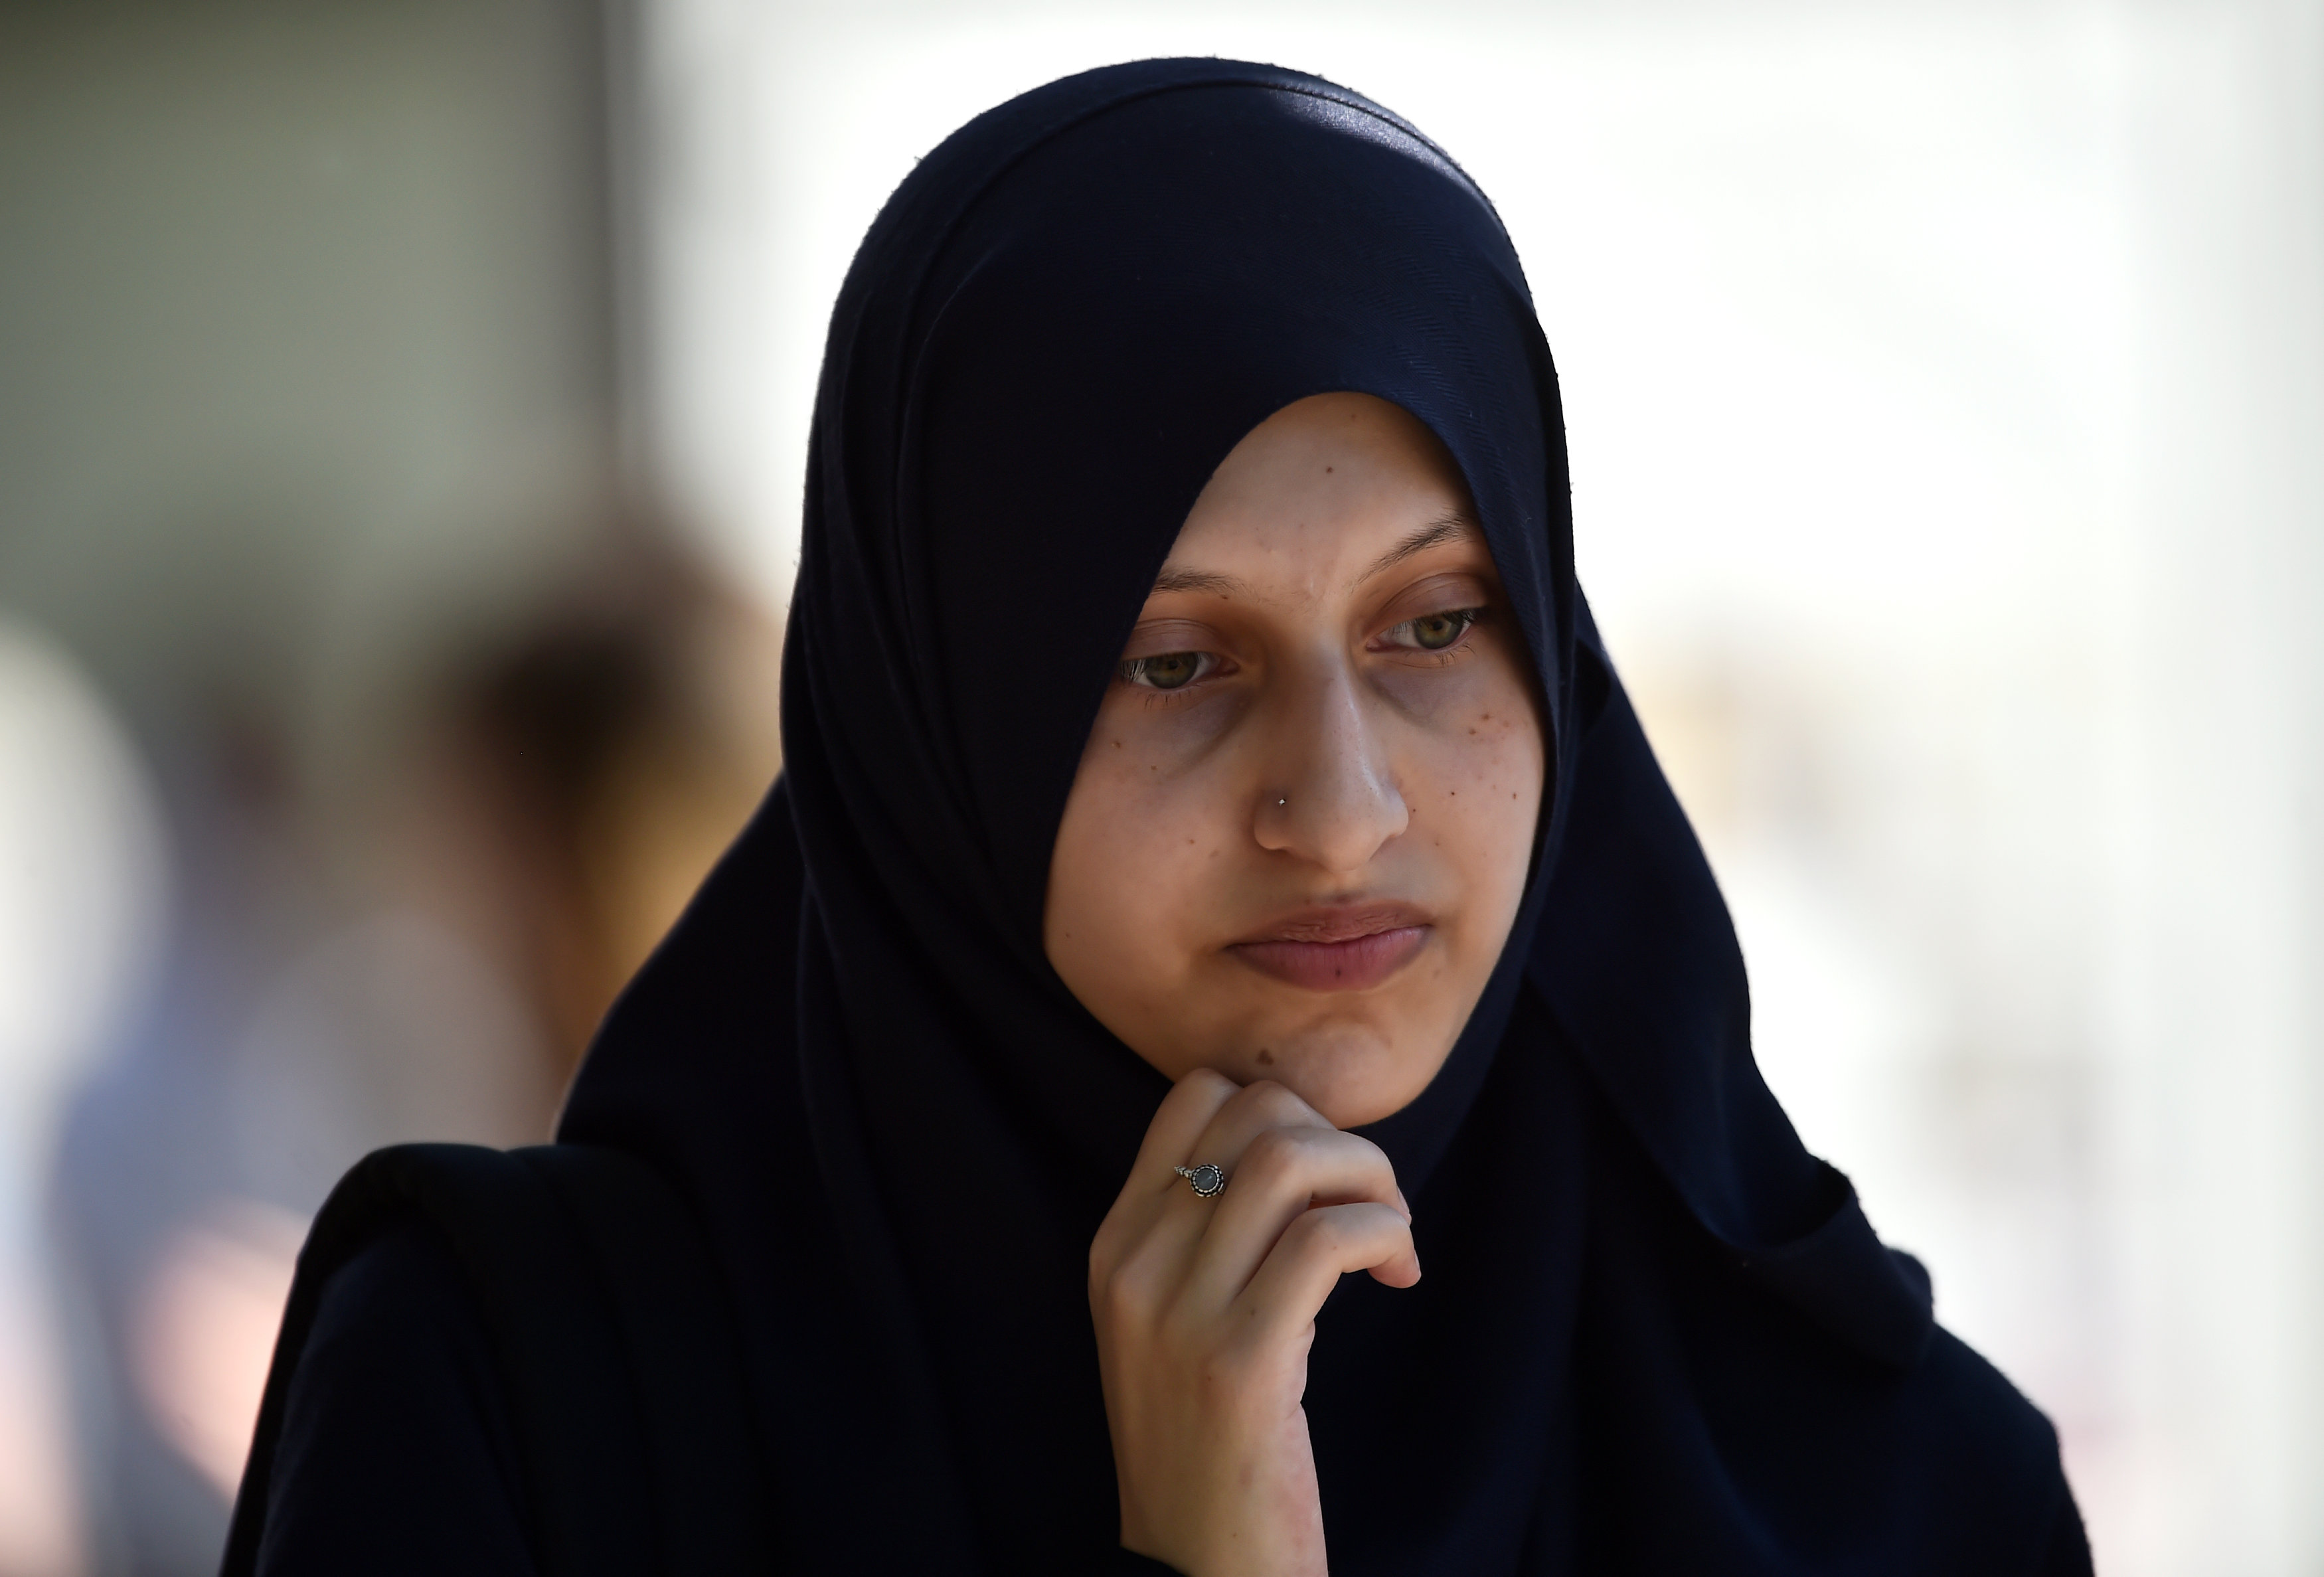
(1318, 494)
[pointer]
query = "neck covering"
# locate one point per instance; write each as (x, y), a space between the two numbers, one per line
(1655, 1335)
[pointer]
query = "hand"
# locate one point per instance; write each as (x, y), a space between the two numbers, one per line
(1206, 1311)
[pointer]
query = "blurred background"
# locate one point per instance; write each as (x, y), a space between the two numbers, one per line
(403, 414)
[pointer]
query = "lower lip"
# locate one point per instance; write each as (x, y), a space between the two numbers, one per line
(1354, 965)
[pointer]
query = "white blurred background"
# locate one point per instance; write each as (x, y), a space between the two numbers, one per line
(1946, 392)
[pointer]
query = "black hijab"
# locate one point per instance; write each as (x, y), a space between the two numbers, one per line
(1657, 1335)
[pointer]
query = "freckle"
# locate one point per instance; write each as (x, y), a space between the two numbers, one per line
(1117, 744)
(1265, 1058)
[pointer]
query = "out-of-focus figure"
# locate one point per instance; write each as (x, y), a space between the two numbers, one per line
(81, 895)
(403, 926)
(309, 438)
(413, 943)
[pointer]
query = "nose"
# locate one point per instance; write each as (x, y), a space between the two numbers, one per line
(1331, 798)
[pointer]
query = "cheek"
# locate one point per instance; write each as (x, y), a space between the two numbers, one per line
(1473, 780)
(1139, 851)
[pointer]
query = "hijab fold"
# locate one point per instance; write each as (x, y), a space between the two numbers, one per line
(902, 1131)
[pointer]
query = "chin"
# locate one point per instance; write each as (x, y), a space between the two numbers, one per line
(1352, 1074)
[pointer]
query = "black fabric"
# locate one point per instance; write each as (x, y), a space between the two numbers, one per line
(396, 1453)
(705, 1473)
(1130, 1564)
(569, 1403)
(1656, 1336)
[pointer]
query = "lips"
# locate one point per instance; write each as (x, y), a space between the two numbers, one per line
(1349, 948)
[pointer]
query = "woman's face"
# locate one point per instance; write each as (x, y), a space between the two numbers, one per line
(1301, 825)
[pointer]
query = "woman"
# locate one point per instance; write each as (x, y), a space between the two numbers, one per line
(1214, 855)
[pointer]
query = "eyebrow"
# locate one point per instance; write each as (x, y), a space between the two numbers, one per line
(1197, 580)
(1437, 532)
(1443, 528)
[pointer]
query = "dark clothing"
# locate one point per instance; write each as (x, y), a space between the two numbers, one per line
(396, 1456)
(1657, 1335)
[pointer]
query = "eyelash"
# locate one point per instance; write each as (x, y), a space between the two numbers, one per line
(1469, 619)
(1132, 672)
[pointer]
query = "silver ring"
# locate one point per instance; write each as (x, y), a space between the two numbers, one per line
(1207, 1181)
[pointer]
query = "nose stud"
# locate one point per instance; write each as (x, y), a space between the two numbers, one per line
(1283, 801)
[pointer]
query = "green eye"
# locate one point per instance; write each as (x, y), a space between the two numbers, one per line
(1436, 632)
(1172, 670)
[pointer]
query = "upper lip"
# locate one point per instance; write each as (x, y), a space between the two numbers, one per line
(1329, 923)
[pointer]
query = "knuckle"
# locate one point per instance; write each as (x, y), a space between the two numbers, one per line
(1273, 1103)
(1126, 1290)
(1365, 1164)
(1320, 1232)
(1112, 1241)
(1270, 1155)
(1207, 1082)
